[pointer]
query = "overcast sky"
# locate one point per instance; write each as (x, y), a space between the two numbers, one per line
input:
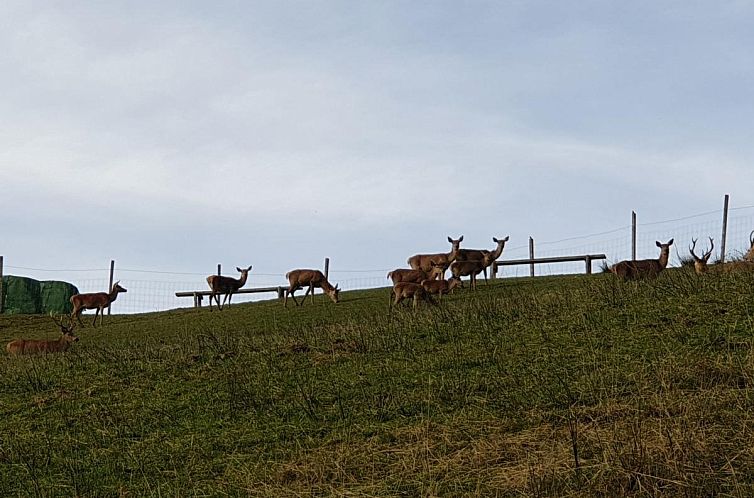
(174, 135)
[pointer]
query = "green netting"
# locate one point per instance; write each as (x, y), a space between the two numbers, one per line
(56, 296)
(22, 295)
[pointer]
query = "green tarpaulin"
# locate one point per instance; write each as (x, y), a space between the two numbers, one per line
(29, 296)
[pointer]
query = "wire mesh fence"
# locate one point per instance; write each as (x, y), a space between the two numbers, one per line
(153, 290)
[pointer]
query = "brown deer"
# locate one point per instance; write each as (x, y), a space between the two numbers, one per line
(416, 276)
(441, 287)
(226, 285)
(643, 268)
(700, 263)
(405, 290)
(470, 269)
(483, 254)
(31, 346)
(95, 300)
(424, 261)
(298, 279)
(749, 256)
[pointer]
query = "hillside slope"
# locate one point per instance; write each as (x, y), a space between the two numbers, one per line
(546, 387)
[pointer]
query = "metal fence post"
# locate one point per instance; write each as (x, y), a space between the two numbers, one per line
(531, 255)
(725, 229)
(633, 235)
(2, 288)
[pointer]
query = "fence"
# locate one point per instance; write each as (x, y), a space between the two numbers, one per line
(152, 290)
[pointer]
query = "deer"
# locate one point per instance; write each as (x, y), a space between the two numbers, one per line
(700, 263)
(31, 346)
(424, 261)
(643, 268)
(298, 279)
(95, 300)
(405, 290)
(226, 285)
(749, 256)
(481, 254)
(468, 269)
(416, 276)
(441, 287)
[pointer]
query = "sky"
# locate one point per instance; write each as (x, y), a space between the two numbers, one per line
(176, 135)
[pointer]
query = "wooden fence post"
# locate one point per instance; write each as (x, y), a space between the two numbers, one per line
(725, 229)
(588, 260)
(531, 255)
(2, 288)
(110, 287)
(633, 235)
(219, 269)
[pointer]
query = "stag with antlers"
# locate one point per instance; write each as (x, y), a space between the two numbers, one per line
(96, 300)
(700, 262)
(30, 346)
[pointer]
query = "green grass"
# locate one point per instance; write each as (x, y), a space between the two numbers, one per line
(581, 386)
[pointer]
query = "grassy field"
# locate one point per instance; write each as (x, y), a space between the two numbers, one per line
(562, 386)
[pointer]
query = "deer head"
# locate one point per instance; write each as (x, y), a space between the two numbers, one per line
(700, 263)
(749, 256)
(65, 329)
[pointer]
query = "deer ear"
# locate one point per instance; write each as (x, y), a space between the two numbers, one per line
(670, 242)
(460, 239)
(506, 238)
(658, 243)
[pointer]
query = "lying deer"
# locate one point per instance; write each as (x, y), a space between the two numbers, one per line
(96, 300)
(700, 263)
(298, 279)
(441, 287)
(416, 276)
(643, 268)
(488, 257)
(424, 261)
(701, 266)
(31, 346)
(405, 290)
(227, 286)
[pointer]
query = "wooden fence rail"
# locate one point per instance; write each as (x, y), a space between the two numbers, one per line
(586, 258)
(199, 295)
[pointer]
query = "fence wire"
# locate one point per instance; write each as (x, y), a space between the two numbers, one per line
(154, 290)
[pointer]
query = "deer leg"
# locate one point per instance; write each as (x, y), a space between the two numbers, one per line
(485, 275)
(94, 322)
(293, 296)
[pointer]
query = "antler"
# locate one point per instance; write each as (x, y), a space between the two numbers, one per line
(712, 247)
(691, 250)
(706, 255)
(751, 238)
(59, 322)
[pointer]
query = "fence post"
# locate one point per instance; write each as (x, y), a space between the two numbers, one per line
(2, 288)
(633, 235)
(219, 269)
(110, 287)
(531, 256)
(588, 260)
(725, 229)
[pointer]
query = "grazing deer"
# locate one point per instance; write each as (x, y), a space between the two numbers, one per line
(424, 261)
(96, 300)
(416, 276)
(700, 263)
(405, 290)
(298, 279)
(226, 285)
(30, 346)
(441, 287)
(643, 268)
(483, 255)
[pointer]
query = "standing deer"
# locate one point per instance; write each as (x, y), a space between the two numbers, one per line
(30, 346)
(470, 269)
(416, 276)
(96, 300)
(483, 254)
(226, 285)
(700, 263)
(643, 268)
(441, 287)
(298, 279)
(424, 261)
(405, 290)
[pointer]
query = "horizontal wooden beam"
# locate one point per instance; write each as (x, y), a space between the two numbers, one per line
(556, 259)
(239, 291)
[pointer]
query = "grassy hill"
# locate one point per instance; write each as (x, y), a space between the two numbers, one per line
(577, 385)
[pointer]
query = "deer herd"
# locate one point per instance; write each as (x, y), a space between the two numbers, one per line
(424, 279)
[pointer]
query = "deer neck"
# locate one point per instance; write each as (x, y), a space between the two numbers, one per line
(452, 255)
(113, 295)
(242, 281)
(498, 251)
